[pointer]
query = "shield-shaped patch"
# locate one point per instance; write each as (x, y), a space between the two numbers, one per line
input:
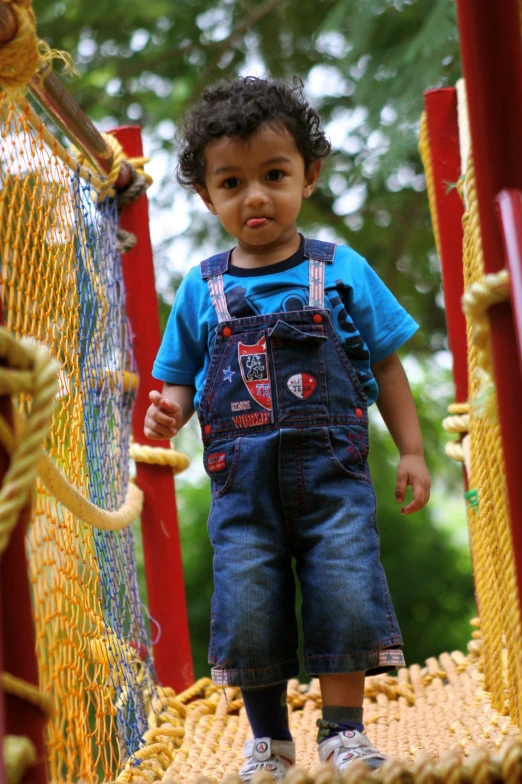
(253, 363)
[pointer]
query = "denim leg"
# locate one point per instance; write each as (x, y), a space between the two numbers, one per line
(253, 630)
(347, 612)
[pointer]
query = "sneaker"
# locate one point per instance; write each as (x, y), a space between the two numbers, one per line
(347, 746)
(274, 756)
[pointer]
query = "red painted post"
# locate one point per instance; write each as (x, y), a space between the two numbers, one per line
(159, 525)
(492, 62)
(19, 657)
(17, 651)
(443, 130)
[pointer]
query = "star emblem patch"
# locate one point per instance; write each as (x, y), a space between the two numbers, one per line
(228, 373)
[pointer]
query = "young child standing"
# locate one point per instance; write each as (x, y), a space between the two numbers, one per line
(280, 345)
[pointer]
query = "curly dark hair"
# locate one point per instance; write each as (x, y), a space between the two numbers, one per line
(238, 107)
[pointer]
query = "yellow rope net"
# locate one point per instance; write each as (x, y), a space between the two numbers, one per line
(42, 227)
(490, 537)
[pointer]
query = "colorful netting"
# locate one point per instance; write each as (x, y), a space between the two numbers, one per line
(488, 515)
(62, 285)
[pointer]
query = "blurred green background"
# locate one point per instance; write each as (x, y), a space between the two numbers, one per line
(365, 65)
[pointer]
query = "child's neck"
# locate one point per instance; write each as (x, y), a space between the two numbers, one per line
(264, 255)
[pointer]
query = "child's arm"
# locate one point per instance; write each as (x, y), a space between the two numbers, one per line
(395, 402)
(169, 411)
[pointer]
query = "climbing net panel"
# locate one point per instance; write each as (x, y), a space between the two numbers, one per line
(488, 514)
(62, 286)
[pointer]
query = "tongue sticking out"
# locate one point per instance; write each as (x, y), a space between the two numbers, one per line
(252, 223)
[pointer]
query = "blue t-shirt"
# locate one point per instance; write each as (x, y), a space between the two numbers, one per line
(369, 321)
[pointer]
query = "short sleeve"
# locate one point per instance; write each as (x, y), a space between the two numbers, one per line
(181, 355)
(382, 321)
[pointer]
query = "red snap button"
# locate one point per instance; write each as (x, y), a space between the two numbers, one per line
(359, 412)
(227, 332)
(207, 429)
(317, 319)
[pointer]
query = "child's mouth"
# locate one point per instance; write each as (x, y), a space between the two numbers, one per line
(257, 223)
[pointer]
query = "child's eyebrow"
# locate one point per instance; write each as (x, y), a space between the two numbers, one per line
(223, 169)
(278, 159)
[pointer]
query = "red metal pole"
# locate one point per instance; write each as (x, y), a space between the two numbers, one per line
(492, 63)
(443, 129)
(17, 652)
(159, 525)
(19, 656)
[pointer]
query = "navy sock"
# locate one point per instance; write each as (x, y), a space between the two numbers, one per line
(339, 719)
(267, 711)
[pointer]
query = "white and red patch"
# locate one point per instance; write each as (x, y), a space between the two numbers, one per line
(251, 420)
(253, 363)
(302, 385)
(217, 461)
(241, 405)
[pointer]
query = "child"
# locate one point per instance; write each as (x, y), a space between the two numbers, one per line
(281, 344)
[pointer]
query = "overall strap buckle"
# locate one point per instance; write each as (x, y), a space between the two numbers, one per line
(212, 270)
(319, 253)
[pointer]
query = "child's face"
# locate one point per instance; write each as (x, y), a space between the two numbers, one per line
(256, 186)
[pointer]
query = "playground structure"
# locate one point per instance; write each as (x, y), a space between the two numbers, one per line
(73, 281)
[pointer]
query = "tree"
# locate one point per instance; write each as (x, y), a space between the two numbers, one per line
(365, 64)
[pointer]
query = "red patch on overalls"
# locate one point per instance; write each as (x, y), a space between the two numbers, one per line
(217, 461)
(253, 363)
(301, 385)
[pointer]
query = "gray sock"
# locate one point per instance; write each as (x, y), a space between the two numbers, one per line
(338, 719)
(342, 715)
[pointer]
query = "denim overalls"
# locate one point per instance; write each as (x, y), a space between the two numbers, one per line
(285, 432)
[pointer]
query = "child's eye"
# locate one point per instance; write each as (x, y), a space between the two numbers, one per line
(274, 175)
(230, 183)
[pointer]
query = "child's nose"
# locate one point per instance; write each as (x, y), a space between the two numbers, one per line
(255, 196)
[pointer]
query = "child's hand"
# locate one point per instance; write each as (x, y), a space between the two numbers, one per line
(163, 417)
(412, 470)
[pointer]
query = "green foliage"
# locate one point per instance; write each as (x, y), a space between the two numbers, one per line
(369, 60)
(365, 64)
(428, 573)
(193, 506)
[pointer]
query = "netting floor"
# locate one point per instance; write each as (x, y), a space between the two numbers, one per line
(436, 723)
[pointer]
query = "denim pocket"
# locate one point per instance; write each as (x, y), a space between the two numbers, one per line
(347, 448)
(221, 459)
(299, 372)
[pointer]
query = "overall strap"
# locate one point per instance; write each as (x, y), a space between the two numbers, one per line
(319, 253)
(215, 265)
(212, 270)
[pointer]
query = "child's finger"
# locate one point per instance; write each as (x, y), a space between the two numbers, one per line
(161, 418)
(155, 397)
(156, 430)
(169, 406)
(419, 499)
(401, 485)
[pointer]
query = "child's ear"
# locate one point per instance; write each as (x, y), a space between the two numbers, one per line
(205, 197)
(311, 177)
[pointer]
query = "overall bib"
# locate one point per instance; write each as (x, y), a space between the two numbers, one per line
(284, 424)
